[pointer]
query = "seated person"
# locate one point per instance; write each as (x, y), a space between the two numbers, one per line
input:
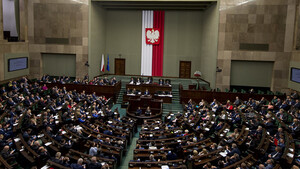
(128, 91)
(167, 82)
(161, 82)
(168, 92)
(134, 91)
(149, 80)
(93, 163)
(148, 111)
(78, 165)
(131, 81)
(151, 158)
(138, 111)
(219, 126)
(147, 92)
(275, 155)
(139, 81)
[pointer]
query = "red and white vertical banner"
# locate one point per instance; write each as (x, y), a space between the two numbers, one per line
(102, 64)
(146, 60)
(158, 49)
(152, 43)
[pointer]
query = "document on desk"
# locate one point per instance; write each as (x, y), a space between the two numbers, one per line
(164, 167)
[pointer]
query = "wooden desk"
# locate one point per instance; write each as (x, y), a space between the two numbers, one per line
(156, 164)
(143, 102)
(165, 98)
(152, 88)
(198, 95)
(107, 91)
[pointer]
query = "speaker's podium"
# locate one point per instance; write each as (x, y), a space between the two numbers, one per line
(143, 102)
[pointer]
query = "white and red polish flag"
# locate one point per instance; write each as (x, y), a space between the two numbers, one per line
(152, 43)
(102, 64)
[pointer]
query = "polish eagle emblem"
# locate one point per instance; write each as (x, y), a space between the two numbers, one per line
(152, 36)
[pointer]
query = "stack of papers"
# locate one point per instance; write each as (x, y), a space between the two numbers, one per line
(290, 155)
(164, 167)
(17, 139)
(41, 135)
(47, 144)
(223, 154)
(45, 167)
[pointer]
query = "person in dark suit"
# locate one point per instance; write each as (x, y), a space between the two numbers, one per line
(78, 165)
(294, 127)
(57, 159)
(234, 150)
(269, 164)
(114, 80)
(138, 111)
(10, 102)
(282, 115)
(27, 101)
(151, 158)
(93, 164)
(275, 155)
(131, 81)
(295, 95)
(59, 137)
(148, 111)
(237, 101)
(98, 139)
(6, 153)
(149, 80)
(284, 106)
(66, 161)
(297, 104)
(105, 80)
(161, 82)
(146, 92)
(171, 156)
(167, 82)
(219, 126)
(138, 82)
(2, 90)
(269, 126)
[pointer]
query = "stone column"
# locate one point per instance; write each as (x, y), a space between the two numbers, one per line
(1, 20)
(23, 19)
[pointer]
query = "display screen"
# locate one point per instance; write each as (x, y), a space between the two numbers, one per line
(295, 75)
(17, 64)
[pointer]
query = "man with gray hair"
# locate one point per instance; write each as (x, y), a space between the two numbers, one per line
(78, 165)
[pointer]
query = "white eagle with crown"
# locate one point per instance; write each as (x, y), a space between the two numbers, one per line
(152, 36)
